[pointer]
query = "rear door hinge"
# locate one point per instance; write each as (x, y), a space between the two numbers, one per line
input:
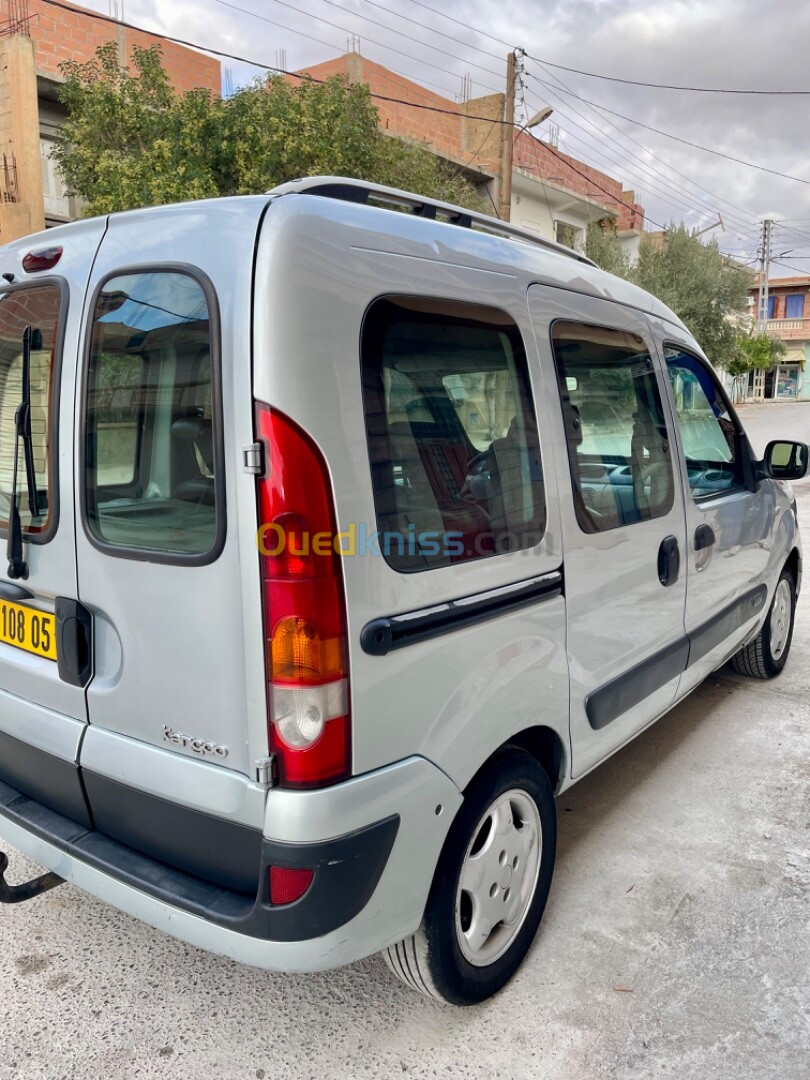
(267, 771)
(253, 458)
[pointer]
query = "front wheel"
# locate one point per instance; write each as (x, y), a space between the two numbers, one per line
(490, 886)
(766, 655)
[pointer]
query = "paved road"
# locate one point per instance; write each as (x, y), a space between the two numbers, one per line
(674, 944)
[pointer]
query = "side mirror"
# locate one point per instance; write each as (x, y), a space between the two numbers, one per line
(786, 460)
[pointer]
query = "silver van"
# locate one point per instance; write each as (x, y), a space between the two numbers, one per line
(340, 541)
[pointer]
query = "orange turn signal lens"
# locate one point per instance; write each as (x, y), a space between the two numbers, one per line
(300, 655)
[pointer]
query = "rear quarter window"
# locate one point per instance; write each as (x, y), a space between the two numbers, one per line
(452, 434)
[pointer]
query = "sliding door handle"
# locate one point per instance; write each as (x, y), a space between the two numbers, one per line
(704, 537)
(669, 561)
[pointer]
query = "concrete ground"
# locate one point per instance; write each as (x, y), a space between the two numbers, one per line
(675, 943)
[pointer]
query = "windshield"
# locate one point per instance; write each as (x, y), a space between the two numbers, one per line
(39, 308)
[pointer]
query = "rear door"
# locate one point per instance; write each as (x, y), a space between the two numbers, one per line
(167, 522)
(622, 518)
(42, 705)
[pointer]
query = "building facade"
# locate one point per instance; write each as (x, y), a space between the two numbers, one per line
(553, 194)
(37, 37)
(789, 320)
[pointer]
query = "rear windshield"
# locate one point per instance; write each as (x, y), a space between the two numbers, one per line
(153, 474)
(40, 308)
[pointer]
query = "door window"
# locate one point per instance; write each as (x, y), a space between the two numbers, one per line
(618, 446)
(40, 308)
(452, 433)
(708, 430)
(153, 468)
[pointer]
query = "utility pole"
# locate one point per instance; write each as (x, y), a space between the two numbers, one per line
(764, 270)
(507, 141)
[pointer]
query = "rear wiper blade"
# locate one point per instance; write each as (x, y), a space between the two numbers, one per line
(17, 566)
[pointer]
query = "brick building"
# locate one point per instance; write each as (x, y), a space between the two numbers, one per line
(552, 193)
(36, 37)
(789, 320)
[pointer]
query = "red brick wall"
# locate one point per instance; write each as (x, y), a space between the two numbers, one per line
(444, 133)
(552, 164)
(74, 35)
(441, 131)
(780, 292)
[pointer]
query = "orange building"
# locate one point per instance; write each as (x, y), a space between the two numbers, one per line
(36, 37)
(552, 193)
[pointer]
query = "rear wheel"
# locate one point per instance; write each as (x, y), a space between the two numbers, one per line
(766, 655)
(490, 887)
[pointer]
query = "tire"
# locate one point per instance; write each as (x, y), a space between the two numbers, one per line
(766, 655)
(504, 839)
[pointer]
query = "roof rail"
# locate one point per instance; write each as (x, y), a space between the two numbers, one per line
(361, 191)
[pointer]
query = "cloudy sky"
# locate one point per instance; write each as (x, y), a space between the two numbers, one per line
(735, 44)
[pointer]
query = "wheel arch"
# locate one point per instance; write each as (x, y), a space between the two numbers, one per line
(545, 745)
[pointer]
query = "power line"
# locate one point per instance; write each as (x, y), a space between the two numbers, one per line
(686, 142)
(264, 67)
(326, 22)
(400, 33)
(565, 160)
(668, 86)
(787, 266)
(466, 26)
(682, 199)
(611, 78)
(627, 135)
(433, 30)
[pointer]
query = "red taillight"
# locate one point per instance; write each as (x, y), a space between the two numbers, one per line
(44, 259)
(306, 651)
(287, 885)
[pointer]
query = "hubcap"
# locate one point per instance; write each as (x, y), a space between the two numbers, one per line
(498, 878)
(780, 618)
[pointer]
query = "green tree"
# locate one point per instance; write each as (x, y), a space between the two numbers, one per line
(707, 290)
(602, 244)
(131, 141)
(753, 352)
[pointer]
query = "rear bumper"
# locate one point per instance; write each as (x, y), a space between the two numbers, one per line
(373, 843)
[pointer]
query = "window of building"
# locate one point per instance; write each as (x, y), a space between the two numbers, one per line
(709, 434)
(771, 306)
(452, 434)
(40, 308)
(618, 445)
(794, 306)
(153, 468)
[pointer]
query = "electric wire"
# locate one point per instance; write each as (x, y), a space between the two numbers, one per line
(564, 88)
(668, 86)
(695, 146)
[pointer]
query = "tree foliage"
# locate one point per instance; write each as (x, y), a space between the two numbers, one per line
(131, 141)
(602, 244)
(755, 352)
(705, 289)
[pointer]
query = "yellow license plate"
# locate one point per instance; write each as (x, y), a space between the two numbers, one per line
(29, 629)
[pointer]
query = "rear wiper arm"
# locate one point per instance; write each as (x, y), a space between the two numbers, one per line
(17, 566)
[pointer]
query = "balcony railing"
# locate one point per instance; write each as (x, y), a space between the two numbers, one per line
(789, 328)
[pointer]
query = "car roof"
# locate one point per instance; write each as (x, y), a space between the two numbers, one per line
(467, 237)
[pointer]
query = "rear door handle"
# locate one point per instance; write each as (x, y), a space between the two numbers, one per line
(669, 561)
(704, 537)
(14, 592)
(74, 641)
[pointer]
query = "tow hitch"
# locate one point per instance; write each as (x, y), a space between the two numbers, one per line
(15, 894)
